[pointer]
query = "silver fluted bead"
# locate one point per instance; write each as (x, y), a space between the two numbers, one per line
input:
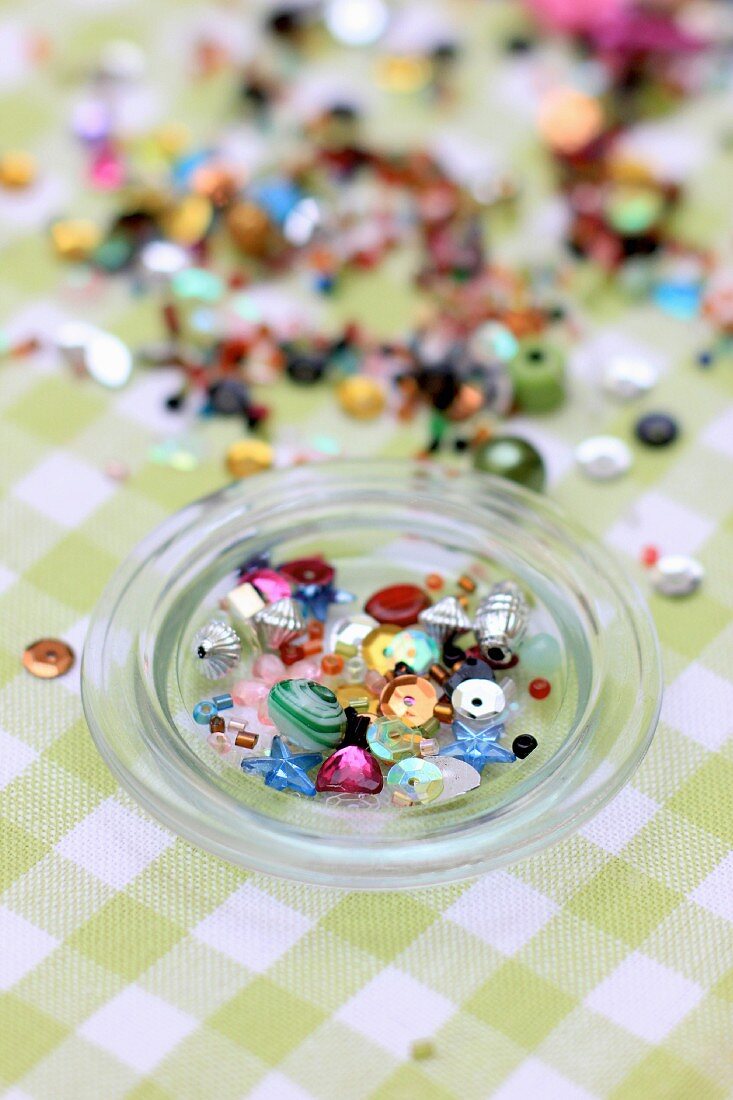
(218, 648)
(278, 623)
(444, 619)
(501, 619)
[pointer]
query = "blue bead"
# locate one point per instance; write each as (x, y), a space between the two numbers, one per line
(203, 711)
(284, 770)
(223, 702)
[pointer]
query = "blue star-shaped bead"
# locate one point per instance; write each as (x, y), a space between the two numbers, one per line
(284, 770)
(478, 746)
(317, 598)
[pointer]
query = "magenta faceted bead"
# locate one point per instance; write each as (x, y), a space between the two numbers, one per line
(350, 770)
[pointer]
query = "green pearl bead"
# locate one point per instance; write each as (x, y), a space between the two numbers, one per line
(538, 374)
(541, 655)
(514, 458)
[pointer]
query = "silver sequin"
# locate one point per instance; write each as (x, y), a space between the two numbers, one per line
(603, 457)
(629, 376)
(676, 575)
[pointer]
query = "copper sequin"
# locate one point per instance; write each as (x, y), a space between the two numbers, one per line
(48, 658)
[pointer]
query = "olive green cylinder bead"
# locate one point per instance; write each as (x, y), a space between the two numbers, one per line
(514, 458)
(538, 374)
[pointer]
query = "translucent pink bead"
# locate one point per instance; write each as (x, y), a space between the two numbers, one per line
(269, 668)
(106, 172)
(219, 742)
(248, 693)
(263, 713)
(374, 681)
(305, 670)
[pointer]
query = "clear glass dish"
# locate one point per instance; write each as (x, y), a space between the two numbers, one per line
(377, 522)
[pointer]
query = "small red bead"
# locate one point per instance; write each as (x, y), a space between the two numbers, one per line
(539, 688)
(649, 556)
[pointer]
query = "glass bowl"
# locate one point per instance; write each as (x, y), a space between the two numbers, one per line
(379, 523)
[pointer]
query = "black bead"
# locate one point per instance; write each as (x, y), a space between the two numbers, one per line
(523, 745)
(657, 429)
(229, 397)
(519, 43)
(175, 401)
(461, 445)
(306, 369)
(403, 669)
(705, 359)
(452, 653)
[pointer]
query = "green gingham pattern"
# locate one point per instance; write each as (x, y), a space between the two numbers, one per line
(134, 965)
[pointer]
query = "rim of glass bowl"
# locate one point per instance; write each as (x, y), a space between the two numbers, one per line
(137, 737)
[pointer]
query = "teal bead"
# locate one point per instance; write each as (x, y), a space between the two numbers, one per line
(307, 713)
(541, 655)
(420, 780)
(514, 458)
(538, 374)
(389, 739)
(203, 711)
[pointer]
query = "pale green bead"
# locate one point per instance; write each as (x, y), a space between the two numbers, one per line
(541, 655)
(420, 780)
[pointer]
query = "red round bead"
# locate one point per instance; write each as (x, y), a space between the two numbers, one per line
(649, 556)
(307, 571)
(540, 688)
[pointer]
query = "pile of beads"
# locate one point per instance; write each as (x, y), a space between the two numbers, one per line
(385, 698)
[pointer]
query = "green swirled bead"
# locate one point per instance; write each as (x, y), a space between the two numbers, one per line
(307, 713)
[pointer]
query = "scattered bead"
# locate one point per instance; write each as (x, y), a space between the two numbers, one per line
(203, 712)
(390, 739)
(246, 740)
(420, 780)
(541, 654)
(398, 605)
(677, 575)
(649, 556)
(218, 648)
(219, 742)
(248, 456)
(603, 458)
(332, 664)
(410, 698)
(48, 658)
(284, 770)
(513, 458)
(360, 397)
(307, 713)
(223, 702)
(479, 700)
(414, 648)
(523, 745)
(540, 688)
(434, 582)
(656, 430)
(216, 724)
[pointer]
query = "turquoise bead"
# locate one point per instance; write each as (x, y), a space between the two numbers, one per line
(541, 655)
(203, 711)
(538, 374)
(307, 713)
(420, 780)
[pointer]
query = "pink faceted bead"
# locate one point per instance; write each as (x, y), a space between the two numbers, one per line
(268, 668)
(305, 670)
(106, 171)
(263, 714)
(248, 693)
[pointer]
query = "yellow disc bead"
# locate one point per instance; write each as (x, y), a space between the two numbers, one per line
(75, 238)
(187, 223)
(248, 456)
(362, 398)
(17, 169)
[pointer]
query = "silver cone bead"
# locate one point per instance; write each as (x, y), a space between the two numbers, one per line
(501, 618)
(444, 619)
(218, 648)
(278, 623)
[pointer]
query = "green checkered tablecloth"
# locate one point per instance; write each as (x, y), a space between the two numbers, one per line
(134, 965)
